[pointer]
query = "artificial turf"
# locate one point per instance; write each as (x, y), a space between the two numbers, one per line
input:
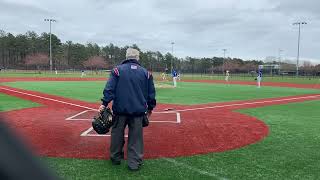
(233, 77)
(187, 93)
(8, 103)
(290, 151)
(241, 77)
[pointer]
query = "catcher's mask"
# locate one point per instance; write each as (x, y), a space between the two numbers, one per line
(103, 122)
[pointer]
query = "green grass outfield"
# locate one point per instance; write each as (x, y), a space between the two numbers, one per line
(233, 77)
(291, 151)
(186, 93)
(9, 103)
(245, 77)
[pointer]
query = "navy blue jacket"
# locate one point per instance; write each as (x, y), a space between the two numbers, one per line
(131, 88)
(260, 73)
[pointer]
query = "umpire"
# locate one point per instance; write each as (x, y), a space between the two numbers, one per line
(131, 88)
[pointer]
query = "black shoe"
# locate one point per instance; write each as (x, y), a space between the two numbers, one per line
(133, 169)
(116, 162)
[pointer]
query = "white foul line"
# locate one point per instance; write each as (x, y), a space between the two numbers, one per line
(63, 102)
(240, 104)
(178, 118)
(71, 118)
(175, 111)
(79, 119)
(71, 104)
(86, 133)
(191, 168)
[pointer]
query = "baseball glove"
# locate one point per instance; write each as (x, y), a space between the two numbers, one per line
(103, 121)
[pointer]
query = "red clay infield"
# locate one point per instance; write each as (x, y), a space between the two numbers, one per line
(55, 129)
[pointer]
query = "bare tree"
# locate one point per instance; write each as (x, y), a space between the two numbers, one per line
(95, 62)
(248, 67)
(308, 68)
(38, 59)
(232, 65)
(317, 70)
(288, 67)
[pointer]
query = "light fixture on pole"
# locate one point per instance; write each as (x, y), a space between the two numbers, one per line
(280, 51)
(50, 20)
(224, 57)
(172, 43)
(298, 54)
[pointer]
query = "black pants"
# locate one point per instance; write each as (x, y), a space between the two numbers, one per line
(135, 140)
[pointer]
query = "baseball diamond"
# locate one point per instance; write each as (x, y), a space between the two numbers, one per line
(169, 90)
(61, 126)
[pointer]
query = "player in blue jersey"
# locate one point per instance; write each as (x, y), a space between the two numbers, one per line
(174, 77)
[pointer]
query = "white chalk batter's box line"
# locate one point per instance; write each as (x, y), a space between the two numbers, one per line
(73, 118)
(87, 132)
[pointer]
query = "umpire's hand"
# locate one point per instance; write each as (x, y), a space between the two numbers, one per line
(101, 108)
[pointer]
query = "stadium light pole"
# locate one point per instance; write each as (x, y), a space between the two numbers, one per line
(280, 51)
(50, 21)
(298, 54)
(172, 43)
(224, 57)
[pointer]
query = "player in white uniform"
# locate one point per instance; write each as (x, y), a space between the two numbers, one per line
(82, 73)
(227, 76)
(164, 76)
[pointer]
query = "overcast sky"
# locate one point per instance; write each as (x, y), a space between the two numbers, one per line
(247, 28)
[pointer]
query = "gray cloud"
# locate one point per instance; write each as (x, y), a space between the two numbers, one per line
(248, 28)
(292, 7)
(20, 17)
(16, 8)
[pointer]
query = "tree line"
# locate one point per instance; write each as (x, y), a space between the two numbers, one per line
(29, 51)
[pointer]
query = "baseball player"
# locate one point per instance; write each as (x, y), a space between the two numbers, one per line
(174, 78)
(132, 90)
(227, 76)
(82, 73)
(259, 78)
(164, 76)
